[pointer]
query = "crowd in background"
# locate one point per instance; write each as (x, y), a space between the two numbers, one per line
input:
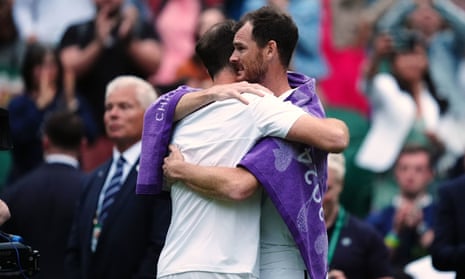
(393, 70)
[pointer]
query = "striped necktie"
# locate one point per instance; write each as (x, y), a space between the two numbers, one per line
(110, 192)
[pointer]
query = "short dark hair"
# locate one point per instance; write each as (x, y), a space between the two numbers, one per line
(413, 148)
(271, 24)
(64, 129)
(216, 46)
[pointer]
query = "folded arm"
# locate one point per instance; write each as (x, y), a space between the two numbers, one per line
(224, 183)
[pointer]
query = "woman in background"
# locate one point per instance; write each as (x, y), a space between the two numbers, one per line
(44, 92)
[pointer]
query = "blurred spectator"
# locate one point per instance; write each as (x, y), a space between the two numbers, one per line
(11, 54)
(44, 93)
(405, 108)
(44, 21)
(42, 202)
(448, 249)
(116, 233)
(177, 37)
(96, 51)
(442, 23)
(344, 55)
(407, 224)
(193, 72)
(356, 250)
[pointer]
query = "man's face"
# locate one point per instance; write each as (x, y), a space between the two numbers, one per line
(412, 65)
(331, 197)
(413, 173)
(247, 58)
(109, 7)
(123, 117)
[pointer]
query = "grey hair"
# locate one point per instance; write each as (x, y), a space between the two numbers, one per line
(145, 92)
(337, 162)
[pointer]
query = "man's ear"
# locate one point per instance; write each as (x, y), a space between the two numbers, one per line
(271, 49)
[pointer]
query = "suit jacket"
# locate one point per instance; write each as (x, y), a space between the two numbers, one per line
(448, 249)
(42, 206)
(131, 239)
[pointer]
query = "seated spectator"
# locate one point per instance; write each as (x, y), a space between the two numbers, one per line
(356, 250)
(448, 249)
(407, 224)
(44, 93)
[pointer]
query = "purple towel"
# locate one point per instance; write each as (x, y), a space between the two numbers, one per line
(156, 136)
(294, 176)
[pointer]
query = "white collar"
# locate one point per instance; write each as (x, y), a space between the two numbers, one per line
(422, 201)
(131, 155)
(63, 159)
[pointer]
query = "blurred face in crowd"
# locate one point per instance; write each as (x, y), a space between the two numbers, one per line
(247, 58)
(413, 173)
(111, 7)
(123, 117)
(47, 71)
(425, 18)
(410, 66)
(331, 198)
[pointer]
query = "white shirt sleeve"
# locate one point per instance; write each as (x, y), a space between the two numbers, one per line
(273, 117)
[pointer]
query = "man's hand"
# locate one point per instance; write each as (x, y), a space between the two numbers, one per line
(4, 212)
(407, 216)
(235, 90)
(195, 100)
(128, 21)
(104, 24)
(173, 163)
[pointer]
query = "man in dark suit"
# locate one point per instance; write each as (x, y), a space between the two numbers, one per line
(117, 234)
(448, 249)
(42, 203)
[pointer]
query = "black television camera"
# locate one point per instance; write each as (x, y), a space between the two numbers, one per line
(18, 260)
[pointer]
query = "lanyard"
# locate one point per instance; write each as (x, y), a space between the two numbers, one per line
(337, 231)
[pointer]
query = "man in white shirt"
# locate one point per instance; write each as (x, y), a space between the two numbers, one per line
(215, 238)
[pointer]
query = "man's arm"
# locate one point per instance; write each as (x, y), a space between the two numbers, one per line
(225, 183)
(195, 100)
(329, 134)
(222, 183)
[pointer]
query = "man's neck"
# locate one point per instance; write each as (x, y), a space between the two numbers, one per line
(277, 82)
